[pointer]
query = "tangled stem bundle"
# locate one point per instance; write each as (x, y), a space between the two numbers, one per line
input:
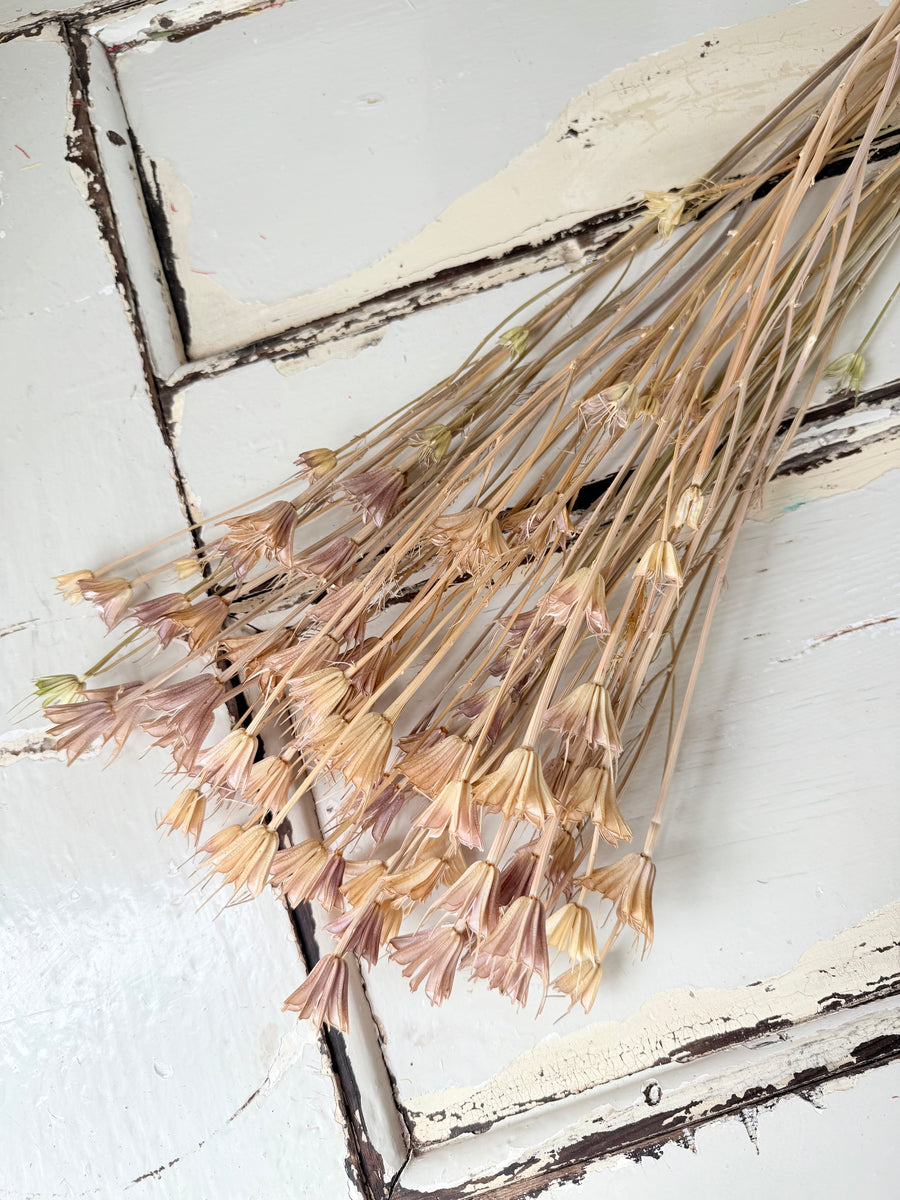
(466, 622)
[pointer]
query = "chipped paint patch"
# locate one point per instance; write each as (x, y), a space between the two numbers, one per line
(677, 1025)
(643, 117)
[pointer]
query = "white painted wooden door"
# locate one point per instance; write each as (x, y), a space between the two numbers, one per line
(230, 232)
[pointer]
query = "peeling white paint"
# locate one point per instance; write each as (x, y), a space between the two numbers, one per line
(348, 247)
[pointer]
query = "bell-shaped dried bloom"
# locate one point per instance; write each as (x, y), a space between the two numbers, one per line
(515, 339)
(361, 752)
(202, 620)
(587, 713)
(320, 692)
(316, 463)
(610, 407)
(516, 950)
(518, 874)
(186, 813)
(366, 929)
(309, 870)
(267, 533)
(329, 561)
(571, 929)
(268, 785)
(455, 811)
(581, 595)
(561, 859)
(227, 764)
(659, 565)
(848, 370)
(58, 689)
(517, 788)
(520, 525)
(416, 881)
(374, 493)
(245, 859)
(433, 441)
(431, 768)
(668, 208)
(68, 585)
(433, 955)
(474, 898)
(157, 615)
(472, 538)
(318, 741)
(383, 808)
(484, 711)
(184, 568)
(343, 612)
(581, 983)
(594, 794)
(369, 662)
(629, 885)
(111, 596)
(80, 725)
(689, 509)
(187, 710)
(294, 660)
(362, 882)
(322, 997)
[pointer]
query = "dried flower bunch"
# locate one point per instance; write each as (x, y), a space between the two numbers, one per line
(465, 623)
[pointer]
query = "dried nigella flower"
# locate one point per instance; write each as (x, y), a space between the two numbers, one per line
(365, 930)
(202, 620)
(474, 897)
(516, 951)
(611, 406)
(374, 493)
(516, 340)
(581, 983)
(629, 885)
(433, 441)
(186, 813)
(95, 717)
(243, 857)
(472, 538)
(848, 370)
(268, 533)
(668, 208)
(268, 785)
(58, 689)
(369, 662)
(659, 565)
(689, 509)
(316, 463)
(328, 561)
(428, 770)
(362, 882)
(455, 811)
(187, 718)
(112, 597)
(432, 955)
(157, 615)
(322, 997)
(227, 764)
(361, 752)
(593, 793)
(571, 929)
(517, 788)
(68, 585)
(587, 713)
(581, 594)
(309, 870)
(320, 692)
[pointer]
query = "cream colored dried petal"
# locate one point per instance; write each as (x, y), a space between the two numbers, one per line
(203, 620)
(362, 750)
(610, 407)
(689, 509)
(587, 713)
(571, 929)
(430, 769)
(472, 538)
(320, 693)
(593, 793)
(268, 785)
(581, 595)
(227, 764)
(316, 463)
(246, 858)
(517, 788)
(455, 811)
(362, 882)
(659, 565)
(629, 885)
(111, 596)
(581, 983)
(68, 585)
(186, 813)
(668, 208)
(474, 897)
